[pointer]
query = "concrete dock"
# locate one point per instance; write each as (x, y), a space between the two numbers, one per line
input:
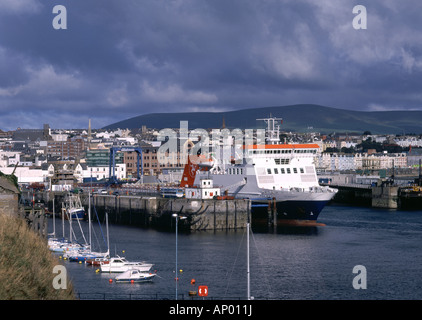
(384, 193)
(156, 212)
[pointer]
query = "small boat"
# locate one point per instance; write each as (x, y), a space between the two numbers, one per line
(119, 264)
(67, 247)
(134, 275)
(85, 255)
(97, 261)
(73, 207)
(53, 243)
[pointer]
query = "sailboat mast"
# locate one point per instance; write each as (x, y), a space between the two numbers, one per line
(54, 221)
(63, 220)
(108, 240)
(89, 219)
(247, 257)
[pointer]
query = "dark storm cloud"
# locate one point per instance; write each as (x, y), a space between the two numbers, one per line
(120, 59)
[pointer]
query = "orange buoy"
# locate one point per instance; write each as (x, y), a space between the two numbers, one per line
(131, 281)
(192, 281)
(110, 280)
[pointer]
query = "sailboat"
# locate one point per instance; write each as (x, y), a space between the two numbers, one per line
(64, 245)
(74, 207)
(87, 253)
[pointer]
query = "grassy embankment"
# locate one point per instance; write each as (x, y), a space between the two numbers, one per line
(26, 265)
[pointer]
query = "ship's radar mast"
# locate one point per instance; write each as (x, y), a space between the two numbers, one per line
(273, 129)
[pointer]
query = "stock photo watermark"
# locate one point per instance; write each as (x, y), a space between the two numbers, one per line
(60, 20)
(360, 20)
(360, 280)
(224, 145)
(60, 281)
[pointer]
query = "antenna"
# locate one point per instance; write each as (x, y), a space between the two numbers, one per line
(273, 129)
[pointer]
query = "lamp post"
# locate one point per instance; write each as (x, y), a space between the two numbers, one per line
(177, 217)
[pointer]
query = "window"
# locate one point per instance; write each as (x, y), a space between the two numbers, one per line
(281, 161)
(275, 170)
(288, 170)
(282, 171)
(294, 170)
(269, 171)
(301, 170)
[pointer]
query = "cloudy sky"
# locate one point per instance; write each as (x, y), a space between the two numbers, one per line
(122, 58)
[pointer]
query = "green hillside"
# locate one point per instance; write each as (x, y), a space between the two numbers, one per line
(300, 118)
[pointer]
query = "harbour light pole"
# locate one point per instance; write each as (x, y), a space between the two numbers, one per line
(177, 217)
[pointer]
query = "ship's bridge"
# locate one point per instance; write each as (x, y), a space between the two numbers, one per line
(282, 150)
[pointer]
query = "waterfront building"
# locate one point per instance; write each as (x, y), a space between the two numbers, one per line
(74, 147)
(101, 158)
(360, 161)
(98, 164)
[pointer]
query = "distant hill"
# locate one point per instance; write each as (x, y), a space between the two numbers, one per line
(299, 118)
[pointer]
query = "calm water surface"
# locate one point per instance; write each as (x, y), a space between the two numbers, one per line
(304, 264)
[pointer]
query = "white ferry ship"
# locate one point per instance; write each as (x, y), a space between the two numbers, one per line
(275, 174)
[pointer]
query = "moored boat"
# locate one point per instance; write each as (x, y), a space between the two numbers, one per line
(73, 207)
(119, 264)
(85, 255)
(134, 275)
(97, 261)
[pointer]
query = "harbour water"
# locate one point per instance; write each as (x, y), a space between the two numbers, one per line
(285, 264)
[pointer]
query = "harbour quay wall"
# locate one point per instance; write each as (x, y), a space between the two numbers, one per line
(156, 212)
(379, 196)
(385, 197)
(360, 195)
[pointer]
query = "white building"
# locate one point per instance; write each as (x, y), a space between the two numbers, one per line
(360, 161)
(27, 175)
(102, 172)
(205, 191)
(407, 141)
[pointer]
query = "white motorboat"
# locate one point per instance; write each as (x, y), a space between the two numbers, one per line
(119, 264)
(134, 275)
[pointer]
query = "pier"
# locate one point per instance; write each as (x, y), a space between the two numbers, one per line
(156, 212)
(380, 193)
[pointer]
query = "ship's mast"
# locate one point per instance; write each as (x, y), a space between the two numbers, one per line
(273, 129)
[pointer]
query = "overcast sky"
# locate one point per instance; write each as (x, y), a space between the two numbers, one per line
(122, 58)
